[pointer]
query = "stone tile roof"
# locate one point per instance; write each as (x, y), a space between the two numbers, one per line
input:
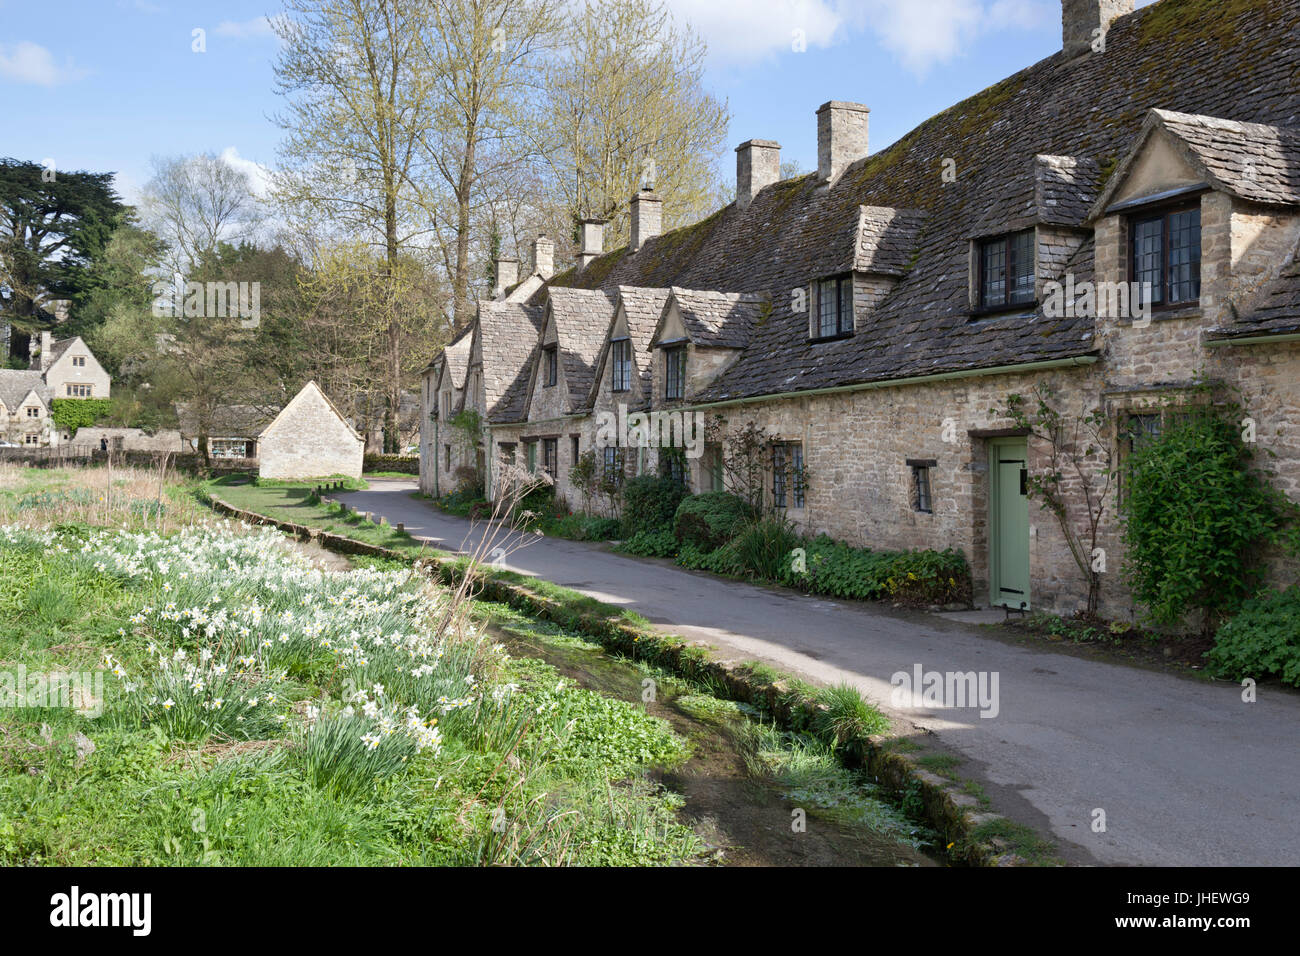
(507, 333)
(720, 319)
(16, 384)
(582, 320)
(1276, 312)
(1255, 161)
(456, 355)
(886, 240)
(1190, 56)
(1050, 190)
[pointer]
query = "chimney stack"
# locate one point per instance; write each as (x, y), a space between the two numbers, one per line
(543, 257)
(593, 242)
(47, 349)
(841, 138)
(758, 165)
(647, 218)
(1085, 22)
(507, 275)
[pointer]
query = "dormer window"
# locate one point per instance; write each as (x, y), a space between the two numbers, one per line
(550, 366)
(622, 365)
(1006, 271)
(833, 310)
(1166, 254)
(675, 372)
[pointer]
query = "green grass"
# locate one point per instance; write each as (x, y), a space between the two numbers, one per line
(293, 502)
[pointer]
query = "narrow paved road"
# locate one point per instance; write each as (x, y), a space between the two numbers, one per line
(1185, 772)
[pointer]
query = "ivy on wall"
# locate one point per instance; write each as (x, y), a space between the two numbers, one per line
(69, 414)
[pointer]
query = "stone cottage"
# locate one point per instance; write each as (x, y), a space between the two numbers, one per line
(1112, 223)
(310, 439)
(62, 369)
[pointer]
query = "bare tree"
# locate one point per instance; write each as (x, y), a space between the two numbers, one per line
(625, 107)
(195, 202)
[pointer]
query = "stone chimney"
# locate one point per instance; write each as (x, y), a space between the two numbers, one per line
(758, 165)
(647, 218)
(841, 138)
(543, 257)
(1085, 22)
(593, 242)
(47, 350)
(507, 275)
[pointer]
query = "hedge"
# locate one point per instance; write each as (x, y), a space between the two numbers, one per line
(404, 464)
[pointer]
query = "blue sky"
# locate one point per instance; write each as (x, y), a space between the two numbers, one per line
(106, 84)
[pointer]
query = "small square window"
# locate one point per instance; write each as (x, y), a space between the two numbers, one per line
(1165, 255)
(1006, 271)
(672, 464)
(79, 361)
(834, 315)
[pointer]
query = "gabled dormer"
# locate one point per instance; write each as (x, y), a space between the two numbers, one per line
(699, 334)
(1030, 227)
(573, 332)
(1201, 211)
(858, 269)
(622, 374)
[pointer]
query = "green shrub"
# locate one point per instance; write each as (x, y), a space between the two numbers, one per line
(581, 527)
(710, 520)
(765, 548)
(650, 504)
(1263, 639)
(1196, 515)
(403, 464)
(910, 577)
(651, 544)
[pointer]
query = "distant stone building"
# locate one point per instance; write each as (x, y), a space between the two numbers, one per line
(64, 369)
(310, 439)
(233, 431)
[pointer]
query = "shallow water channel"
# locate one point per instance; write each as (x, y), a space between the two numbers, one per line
(735, 803)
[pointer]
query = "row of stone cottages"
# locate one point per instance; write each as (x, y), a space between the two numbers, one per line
(874, 316)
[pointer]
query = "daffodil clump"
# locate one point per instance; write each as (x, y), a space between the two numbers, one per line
(232, 618)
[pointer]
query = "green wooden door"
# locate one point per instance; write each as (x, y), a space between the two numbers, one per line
(1009, 524)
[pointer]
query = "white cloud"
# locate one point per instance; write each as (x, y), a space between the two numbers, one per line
(28, 62)
(253, 29)
(924, 35)
(920, 33)
(258, 175)
(738, 30)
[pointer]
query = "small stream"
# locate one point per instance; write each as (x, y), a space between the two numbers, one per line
(734, 805)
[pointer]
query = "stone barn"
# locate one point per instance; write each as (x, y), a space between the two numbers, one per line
(310, 439)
